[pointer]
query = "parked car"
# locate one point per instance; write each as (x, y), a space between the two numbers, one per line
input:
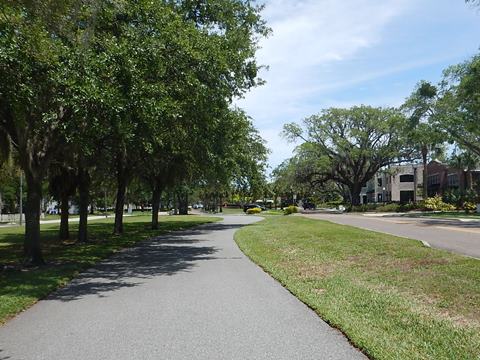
(309, 206)
(251, 206)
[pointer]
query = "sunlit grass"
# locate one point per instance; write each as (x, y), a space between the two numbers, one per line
(392, 297)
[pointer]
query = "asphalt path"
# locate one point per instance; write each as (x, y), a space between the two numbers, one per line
(187, 295)
(459, 236)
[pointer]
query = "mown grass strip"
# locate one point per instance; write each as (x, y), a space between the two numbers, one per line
(392, 297)
(20, 288)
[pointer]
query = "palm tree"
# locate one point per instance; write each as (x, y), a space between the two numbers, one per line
(466, 161)
(425, 137)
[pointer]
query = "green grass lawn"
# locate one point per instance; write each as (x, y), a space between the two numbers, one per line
(272, 212)
(239, 211)
(392, 297)
(449, 214)
(20, 288)
(231, 211)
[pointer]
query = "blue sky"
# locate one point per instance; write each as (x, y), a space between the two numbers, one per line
(325, 53)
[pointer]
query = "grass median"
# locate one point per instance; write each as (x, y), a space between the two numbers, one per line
(20, 287)
(392, 297)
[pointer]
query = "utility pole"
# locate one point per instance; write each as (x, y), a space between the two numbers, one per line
(21, 197)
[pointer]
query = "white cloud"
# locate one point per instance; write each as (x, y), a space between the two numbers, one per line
(319, 47)
(313, 32)
(308, 37)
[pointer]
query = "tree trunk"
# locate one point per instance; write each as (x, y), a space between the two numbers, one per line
(32, 250)
(182, 203)
(119, 205)
(83, 192)
(425, 172)
(64, 207)
(469, 179)
(156, 194)
(355, 192)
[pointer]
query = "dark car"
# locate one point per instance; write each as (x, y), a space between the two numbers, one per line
(251, 206)
(308, 206)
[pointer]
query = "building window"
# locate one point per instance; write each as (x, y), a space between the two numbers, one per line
(379, 182)
(433, 179)
(453, 180)
(406, 196)
(406, 178)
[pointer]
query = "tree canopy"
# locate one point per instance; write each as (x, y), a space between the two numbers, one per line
(351, 145)
(124, 86)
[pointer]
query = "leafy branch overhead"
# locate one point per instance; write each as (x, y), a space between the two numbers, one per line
(123, 86)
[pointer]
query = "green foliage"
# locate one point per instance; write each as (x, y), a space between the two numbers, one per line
(469, 206)
(254, 211)
(130, 88)
(292, 209)
(363, 207)
(459, 108)
(457, 196)
(9, 187)
(436, 204)
(389, 208)
(348, 146)
(412, 206)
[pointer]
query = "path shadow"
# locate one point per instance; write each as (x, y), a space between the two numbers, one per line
(449, 222)
(202, 229)
(3, 357)
(165, 255)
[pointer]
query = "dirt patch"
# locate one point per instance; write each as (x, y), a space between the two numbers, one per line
(314, 271)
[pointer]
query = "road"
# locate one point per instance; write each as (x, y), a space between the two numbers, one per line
(462, 237)
(187, 295)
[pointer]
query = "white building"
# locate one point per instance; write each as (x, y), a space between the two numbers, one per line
(398, 183)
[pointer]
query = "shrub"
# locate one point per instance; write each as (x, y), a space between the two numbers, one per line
(436, 203)
(453, 196)
(421, 205)
(292, 209)
(389, 208)
(363, 207)
(335, 203)
(358, 208)
(469, 206)
(254, 211)
(459, 197)
(410, 207)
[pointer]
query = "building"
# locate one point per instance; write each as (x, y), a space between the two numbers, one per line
(404, 183)
(442, 178)
(398, 183)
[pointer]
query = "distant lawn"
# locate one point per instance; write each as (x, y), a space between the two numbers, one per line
(231, 211)
(449, 214)
(20, 288)
(239, 211)
(392, 297)
(272, 212)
